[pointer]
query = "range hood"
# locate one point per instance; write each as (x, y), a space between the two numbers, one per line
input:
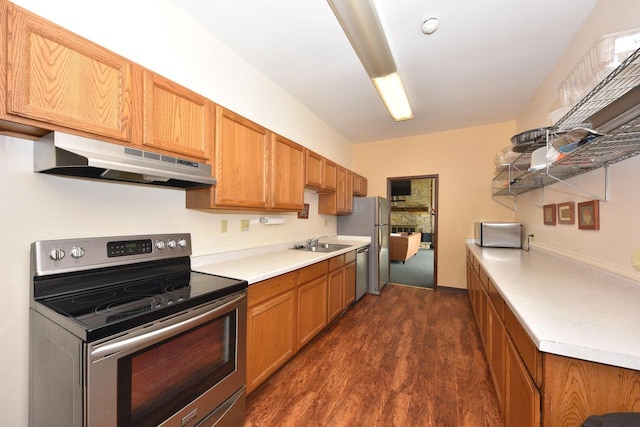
(71, 155)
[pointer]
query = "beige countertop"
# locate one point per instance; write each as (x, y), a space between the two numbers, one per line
(568, 308)
(257, 264)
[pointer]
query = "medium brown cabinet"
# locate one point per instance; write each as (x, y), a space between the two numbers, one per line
(287, 174)
(313, 170)
(312, 301)
(271, 327)
(57, 77)
(341, 283)
(349, 283)
(329, 176)
(177, 119)
(359, 185)
(340, 202)
(523, 398)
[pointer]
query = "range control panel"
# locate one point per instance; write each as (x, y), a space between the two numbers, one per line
(60, 256)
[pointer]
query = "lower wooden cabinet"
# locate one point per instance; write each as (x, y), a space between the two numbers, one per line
(522, 407)
(271, 327)
(285, 312)
(312, 302)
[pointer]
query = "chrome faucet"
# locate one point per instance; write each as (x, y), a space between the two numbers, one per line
(314, 241)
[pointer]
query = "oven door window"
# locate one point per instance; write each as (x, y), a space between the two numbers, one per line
(156, 382)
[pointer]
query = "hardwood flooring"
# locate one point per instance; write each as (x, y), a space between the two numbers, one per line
(409, 357)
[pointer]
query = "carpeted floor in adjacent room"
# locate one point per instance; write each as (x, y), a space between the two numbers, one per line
(416, 271)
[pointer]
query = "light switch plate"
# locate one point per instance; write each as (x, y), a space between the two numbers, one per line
(223, 226)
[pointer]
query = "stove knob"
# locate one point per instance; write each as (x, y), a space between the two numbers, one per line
(160, 244)
(56, 254)
(171, 243)
(182, 243)
(77, 252)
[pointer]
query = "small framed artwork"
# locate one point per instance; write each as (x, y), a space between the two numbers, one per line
(589, 215)
(566, 213)
(549, 214)
(304, 213)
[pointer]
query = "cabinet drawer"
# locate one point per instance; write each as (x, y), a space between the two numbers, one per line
(349, 257)
(531, 357)
(336, 262)
(269, 288)
(311, 272)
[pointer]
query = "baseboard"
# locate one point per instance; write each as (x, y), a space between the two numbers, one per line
(451, 290)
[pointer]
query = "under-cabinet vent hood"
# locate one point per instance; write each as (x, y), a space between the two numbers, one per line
(71, 155)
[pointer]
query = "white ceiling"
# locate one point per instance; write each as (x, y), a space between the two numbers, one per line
(482, 66)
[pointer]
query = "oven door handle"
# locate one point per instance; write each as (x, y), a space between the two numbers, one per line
(161, 334)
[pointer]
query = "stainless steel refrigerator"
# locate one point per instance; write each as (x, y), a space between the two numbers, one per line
(370, 217)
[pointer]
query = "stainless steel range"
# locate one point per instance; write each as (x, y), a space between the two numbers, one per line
(123, 333)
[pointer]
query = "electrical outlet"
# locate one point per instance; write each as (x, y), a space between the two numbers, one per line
(326, 222)
(223, 226)
(244, 225)
(635, 259)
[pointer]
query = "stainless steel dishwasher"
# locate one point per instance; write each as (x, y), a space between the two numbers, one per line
(362, 271)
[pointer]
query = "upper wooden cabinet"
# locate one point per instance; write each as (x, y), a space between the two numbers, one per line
(340, 202)
(177, 119)
(359, 185)
(329, 176)
(55, 76)
(313, 169)
(287, 174)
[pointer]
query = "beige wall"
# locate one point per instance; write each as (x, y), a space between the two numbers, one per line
(611, 247)
(463, 160)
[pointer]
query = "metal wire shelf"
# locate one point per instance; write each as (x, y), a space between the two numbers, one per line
(620, 144)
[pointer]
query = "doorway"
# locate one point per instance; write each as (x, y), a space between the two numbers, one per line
(413, 243)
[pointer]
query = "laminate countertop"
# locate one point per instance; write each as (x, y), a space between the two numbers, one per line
(568, 308)
(257, 264)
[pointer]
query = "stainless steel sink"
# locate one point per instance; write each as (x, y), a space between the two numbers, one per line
(321, 247)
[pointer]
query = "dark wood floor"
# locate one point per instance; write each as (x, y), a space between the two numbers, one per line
(410, 357)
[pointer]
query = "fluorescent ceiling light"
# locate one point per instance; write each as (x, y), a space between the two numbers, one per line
(394, 97)
(361, 24)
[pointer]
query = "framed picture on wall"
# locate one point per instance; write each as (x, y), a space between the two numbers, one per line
(566, 213)
(589, 215)
(549, 214)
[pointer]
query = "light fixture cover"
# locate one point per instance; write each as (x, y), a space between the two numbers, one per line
(392, 92)
(361, 24)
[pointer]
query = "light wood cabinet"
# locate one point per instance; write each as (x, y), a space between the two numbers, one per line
(56, 77)
(496, 343)
(523, 398)
(341, 283)
(312, 301)
(177, 119)
(349, 283)
(340, 202)
(359, 185)
(329, 176)
(287, 174)
(271, 332)
(313, 174)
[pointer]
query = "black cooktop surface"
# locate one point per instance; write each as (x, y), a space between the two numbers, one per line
(103, 308)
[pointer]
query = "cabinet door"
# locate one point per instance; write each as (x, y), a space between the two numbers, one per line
(55, 76)
(287, 174)
(312, 309)
(349, 283)
(177, 119)
(313, 170)
(359, 185)
(329, 176)
(335, 299)
(496, 352)
(242, 153)
(348, 193)
(341, 205)
(522, 401)
(271, 338)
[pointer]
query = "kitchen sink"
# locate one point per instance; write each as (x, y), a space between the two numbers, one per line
(321, 247)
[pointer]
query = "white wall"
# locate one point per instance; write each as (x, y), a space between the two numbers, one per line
(612, 246)
(160, 37)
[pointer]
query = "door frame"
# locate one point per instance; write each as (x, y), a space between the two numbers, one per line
(434, 203)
